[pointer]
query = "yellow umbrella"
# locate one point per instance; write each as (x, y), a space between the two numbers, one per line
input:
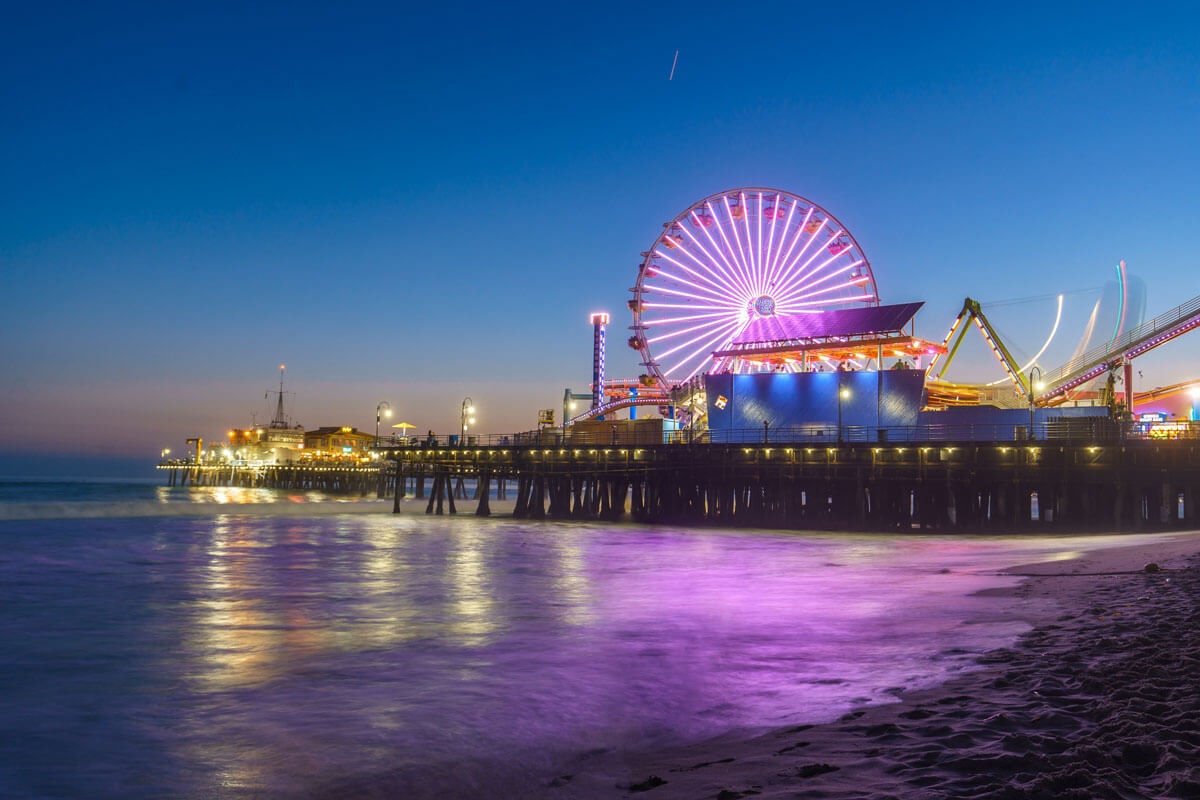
(404, 425)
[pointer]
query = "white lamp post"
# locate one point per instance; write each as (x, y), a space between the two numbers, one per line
(386, 407)
(466, 417)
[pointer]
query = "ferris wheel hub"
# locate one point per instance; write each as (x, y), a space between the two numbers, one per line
(763, 305)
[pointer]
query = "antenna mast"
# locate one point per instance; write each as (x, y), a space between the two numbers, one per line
(280, 420)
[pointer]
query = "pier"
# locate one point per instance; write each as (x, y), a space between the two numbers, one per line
(1134, 485)
(335, 479)
(1109, 483)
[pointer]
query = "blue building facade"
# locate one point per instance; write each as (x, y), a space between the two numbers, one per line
(806, 403)
(864, 406)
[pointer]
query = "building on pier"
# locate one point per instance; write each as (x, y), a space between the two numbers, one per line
(267, 445)
(820, 373)
(337, 442)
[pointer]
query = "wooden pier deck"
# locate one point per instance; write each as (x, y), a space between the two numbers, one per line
(1134, 485)
(1060, 485)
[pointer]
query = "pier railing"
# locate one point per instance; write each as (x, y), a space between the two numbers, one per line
(1099, 430)
(1086, 429)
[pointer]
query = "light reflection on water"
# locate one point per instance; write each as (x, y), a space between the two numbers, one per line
(359, 654)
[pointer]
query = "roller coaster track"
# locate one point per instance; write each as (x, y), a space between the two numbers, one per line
(1131, 344)
(623, 402)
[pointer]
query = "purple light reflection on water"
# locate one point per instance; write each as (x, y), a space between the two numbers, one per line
(232, 654)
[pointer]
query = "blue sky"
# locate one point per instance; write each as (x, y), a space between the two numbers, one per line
(414, 204)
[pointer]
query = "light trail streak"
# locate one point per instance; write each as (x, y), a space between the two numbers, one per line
(1050, 338)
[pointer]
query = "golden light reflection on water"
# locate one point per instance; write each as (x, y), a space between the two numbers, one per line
(571, 583)
(471, 604)
(333, 646)
(239, 638)
(385, 614)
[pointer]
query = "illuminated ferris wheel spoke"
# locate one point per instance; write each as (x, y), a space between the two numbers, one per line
(706, 346)
(705, 350)
(805, 302)
(791, 268)
(775, 205)
(759, 250)
(724, 287)
(797, 235)
(718, 327)
(715, 292)
(728, 267)
(678, 293)
(742, 251)
(659, 269)
(795, 273)
(798, 290)
(749, 246)
(735, 252)
(700, 364)
(686, 305)
(689, 318)
(780, 258)
(713, 265)
(831, 300)
(712, 262)
(817, 274)
(836, 288)
(709, 297)
(684, 331)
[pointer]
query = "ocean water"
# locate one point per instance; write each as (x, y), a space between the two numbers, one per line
(232, 643)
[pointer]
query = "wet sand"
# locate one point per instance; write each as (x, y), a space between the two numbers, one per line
(1100, 699)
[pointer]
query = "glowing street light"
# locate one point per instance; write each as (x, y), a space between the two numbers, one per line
(466, 417)
(386, 407)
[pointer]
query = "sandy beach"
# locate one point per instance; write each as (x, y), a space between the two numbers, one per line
(1098, 700)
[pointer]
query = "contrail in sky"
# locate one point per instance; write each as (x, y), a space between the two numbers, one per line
(671, 77)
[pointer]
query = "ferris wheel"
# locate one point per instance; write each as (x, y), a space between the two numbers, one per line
(732, 258)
